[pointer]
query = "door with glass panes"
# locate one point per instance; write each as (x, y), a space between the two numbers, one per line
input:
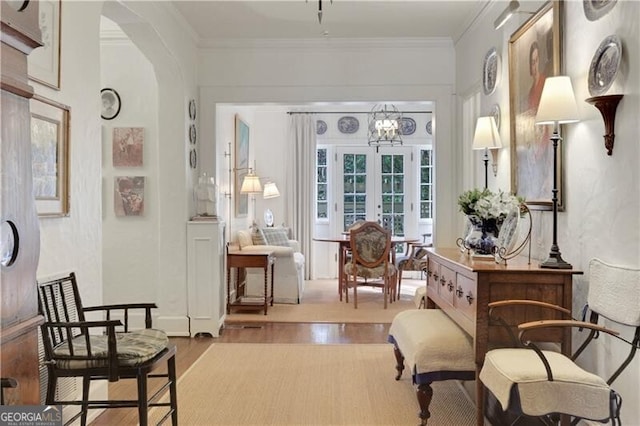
(375, 186)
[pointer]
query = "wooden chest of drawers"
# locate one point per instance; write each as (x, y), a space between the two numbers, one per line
(463, 287)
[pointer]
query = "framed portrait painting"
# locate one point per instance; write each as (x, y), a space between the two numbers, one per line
(50, 156)
(241, 166)
(534, 54)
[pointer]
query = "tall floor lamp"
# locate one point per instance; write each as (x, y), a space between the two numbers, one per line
(557, 106)
(487, 137)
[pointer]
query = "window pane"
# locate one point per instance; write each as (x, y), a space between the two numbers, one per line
(348, 163)
(322, 210)
(386, 163)
(322, 192)
(387, 206)
(322, 157)
(322, 174)
(398, 164)
(398, 184)
(361, 184)
(386, 185)
(361, 163)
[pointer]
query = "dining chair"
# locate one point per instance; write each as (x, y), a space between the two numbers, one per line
(370, 259)
(528, 381)
(104, 349)
(414, 259)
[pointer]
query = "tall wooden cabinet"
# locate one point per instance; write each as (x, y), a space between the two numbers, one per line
(205, 276)
(20, 232)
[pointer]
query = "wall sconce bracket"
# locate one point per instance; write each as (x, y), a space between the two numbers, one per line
(607, 105)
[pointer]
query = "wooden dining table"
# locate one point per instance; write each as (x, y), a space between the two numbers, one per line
(345, 244)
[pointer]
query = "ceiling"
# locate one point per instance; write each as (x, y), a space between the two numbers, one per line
(298, 19)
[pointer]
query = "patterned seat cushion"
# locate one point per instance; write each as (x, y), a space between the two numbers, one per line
(134, 348)
(364, 272)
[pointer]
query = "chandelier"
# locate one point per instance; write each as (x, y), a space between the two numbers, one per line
(319, 10)
(385, 126)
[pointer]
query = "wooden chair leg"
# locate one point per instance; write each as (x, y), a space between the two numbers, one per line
(171, 368)
(86, 386)
(424, 393)
(143, 402)
(399, 282)
(399, 362)
(355, 291)
(51, 388)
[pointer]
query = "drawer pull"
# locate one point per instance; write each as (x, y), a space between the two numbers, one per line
(429, 273)
(435, 277)
(450, 285)
(443, 281)
(470, 298)
(459, 292)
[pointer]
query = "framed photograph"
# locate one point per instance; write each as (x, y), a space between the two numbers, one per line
(128, 146)
(44, 62)
(110, 104)
(128, 195)
(241, 166)
(50, 156)
(534, 54)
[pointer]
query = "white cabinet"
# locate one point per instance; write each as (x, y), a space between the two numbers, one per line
(205, 276)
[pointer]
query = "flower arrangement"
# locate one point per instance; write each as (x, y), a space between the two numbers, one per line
(486, 204)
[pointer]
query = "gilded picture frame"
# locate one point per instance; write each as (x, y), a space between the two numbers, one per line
(535, 52)
(50, 156)
(241, 166)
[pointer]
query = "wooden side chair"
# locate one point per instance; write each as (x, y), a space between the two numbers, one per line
(103, 350)
(531, 382)
(414, 259)
(370, 259)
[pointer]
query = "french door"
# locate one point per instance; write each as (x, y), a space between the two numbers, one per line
(375, 186)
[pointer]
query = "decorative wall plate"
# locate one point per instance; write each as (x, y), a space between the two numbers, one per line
(193, 159)
(192, 134)
(429, 127)
(407, 126)
(596, 9)
(604, 65)
(192, 109)
(110, 103)
(495, 113)
(321, 127)
(348, 124)
(490, 71)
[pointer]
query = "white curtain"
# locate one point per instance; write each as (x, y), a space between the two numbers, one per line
(301, 166)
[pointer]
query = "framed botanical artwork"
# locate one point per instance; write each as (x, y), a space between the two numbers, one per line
(50, 156)
(128, 195)
(241, 166)
(44, 62)
(535, 52)
(128, 146)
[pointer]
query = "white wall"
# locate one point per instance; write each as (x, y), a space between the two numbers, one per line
(295, 73)
(602, 213)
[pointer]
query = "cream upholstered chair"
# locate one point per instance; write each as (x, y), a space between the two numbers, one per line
(370, 259)
(529, 381)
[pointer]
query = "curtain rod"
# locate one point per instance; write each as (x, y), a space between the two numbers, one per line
(353, 112)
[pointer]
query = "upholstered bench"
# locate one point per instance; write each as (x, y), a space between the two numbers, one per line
(420, 297)
(434, 348)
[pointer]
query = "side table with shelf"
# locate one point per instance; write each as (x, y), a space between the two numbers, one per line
(241, 259)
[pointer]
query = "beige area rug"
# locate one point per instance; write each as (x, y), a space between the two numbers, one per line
(321, 303)
(303, 384)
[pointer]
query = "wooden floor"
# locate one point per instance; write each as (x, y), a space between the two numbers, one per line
(190, 349)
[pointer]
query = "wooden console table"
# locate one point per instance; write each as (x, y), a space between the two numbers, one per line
(240, 259)
(463, 287)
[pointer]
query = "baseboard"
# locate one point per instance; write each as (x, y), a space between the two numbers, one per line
(176, 326)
